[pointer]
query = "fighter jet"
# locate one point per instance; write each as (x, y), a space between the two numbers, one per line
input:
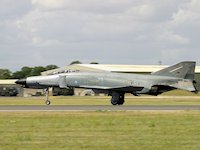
(179, 76)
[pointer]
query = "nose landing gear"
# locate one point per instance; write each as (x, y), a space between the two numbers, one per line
(47, 101)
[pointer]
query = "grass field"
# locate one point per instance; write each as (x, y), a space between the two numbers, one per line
(112, 130)
(101, 100)
(100, 130)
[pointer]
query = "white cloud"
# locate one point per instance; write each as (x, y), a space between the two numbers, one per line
(141, 12)
(187, 13)
(172, 38)
(48, 4)
(122, 31)
(172, 54)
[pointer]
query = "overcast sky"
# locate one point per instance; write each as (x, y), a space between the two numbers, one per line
(43, 32)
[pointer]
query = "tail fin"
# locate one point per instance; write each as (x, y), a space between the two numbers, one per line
(183, 70)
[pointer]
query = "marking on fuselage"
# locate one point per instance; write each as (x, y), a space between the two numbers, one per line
(135, 83)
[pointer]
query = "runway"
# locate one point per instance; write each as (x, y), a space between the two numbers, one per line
(11, 108)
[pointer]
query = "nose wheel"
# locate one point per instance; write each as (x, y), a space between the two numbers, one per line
(47, 101)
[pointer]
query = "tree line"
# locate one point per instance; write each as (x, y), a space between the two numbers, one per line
(30, 71)
(25, 72)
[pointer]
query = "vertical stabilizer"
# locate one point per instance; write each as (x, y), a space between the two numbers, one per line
(185, 70)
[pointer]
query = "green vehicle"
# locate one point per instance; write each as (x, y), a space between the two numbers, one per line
(66, 92)
(8, 91)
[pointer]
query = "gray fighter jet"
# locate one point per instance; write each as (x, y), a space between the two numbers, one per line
(179, 76)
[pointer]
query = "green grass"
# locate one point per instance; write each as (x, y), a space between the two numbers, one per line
(100, 130)
(101, 100)
(180, 93)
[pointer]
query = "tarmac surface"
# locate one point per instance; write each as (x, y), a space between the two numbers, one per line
(11, 108)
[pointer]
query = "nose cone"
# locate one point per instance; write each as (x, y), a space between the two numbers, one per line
(21, 81)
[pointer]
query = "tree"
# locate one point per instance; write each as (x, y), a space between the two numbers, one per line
(23, 73)
(5, 74)
(75, 62)
(94, 63)
(51, 67)
(31, 71)
(18, 75)
(36, 71)
(28, 71)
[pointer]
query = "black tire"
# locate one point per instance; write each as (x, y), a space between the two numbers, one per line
(121, 102)
(117, 98)
(121, 99)
(114, 101)
(48, 102)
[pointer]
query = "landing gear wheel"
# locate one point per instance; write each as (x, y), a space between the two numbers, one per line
(121, 102)
(121, 99)
(48, 102)
(117, 98)
(114, 101)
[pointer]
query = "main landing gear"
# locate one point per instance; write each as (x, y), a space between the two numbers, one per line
(117, 98)
(47, 101)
